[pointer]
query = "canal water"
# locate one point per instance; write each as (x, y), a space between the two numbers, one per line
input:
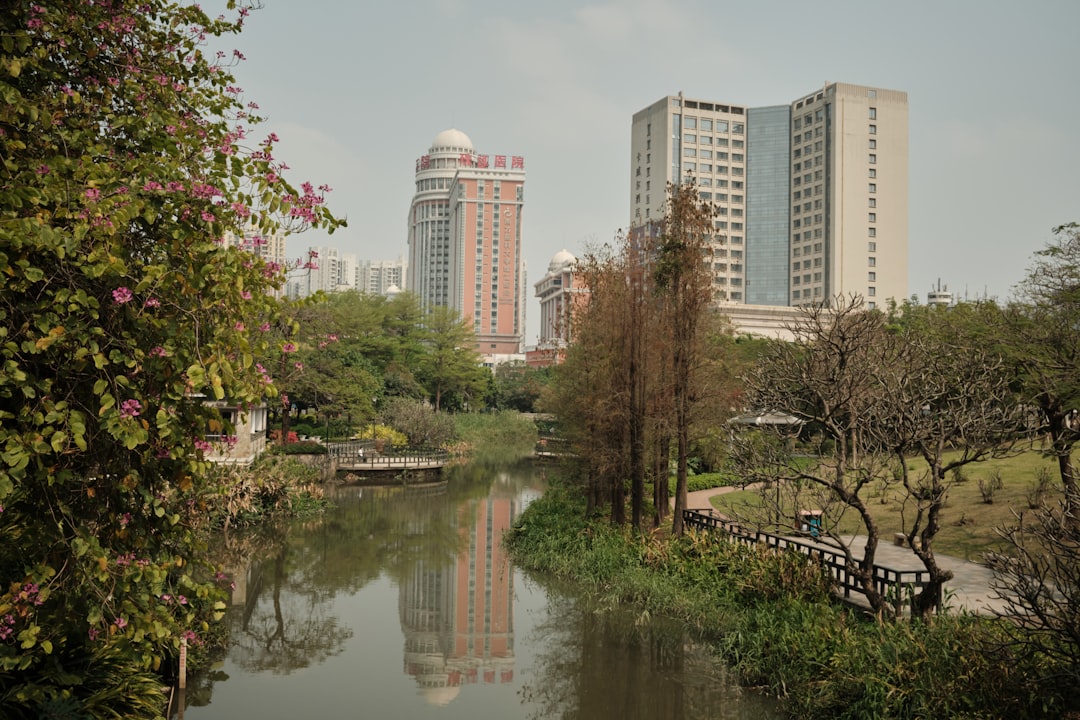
(401, 603)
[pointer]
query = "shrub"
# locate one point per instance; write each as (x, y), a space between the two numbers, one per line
(306, 447)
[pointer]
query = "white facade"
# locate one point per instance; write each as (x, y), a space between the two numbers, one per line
(833, 170)
(379, 277)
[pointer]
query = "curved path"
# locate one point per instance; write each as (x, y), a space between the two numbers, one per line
(969, 590)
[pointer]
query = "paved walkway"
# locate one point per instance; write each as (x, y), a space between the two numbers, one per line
(969, 589)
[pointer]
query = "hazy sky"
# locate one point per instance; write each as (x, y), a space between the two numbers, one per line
(357, 90)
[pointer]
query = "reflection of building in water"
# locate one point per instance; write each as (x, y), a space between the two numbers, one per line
(458, 619)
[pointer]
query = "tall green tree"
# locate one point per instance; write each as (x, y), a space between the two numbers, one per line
(451, 367)
(128, 160)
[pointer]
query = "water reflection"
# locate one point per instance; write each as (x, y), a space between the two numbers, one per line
(615, 663)
(458, 617)
(400, 602)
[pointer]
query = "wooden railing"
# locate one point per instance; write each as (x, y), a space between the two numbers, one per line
(889, 582)
(362, 454)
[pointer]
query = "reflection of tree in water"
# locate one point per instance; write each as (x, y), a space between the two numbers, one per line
(613, 664)
(289, 627)
(288, 576)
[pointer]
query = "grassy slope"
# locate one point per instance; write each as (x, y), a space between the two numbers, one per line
(968, 523)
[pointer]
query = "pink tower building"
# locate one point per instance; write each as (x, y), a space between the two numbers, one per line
(465, 243)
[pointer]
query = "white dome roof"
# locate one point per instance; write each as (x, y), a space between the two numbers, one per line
(561, 261)
(452, 139)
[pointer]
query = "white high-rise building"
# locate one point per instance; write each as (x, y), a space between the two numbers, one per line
(323, 269)
(811, 197)
(377, 277)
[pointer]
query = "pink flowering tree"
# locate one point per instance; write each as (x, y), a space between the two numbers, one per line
(131, 168)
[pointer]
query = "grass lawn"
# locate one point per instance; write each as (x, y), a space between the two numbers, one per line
(967, 522)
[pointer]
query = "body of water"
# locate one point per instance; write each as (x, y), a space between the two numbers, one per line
(401, 603)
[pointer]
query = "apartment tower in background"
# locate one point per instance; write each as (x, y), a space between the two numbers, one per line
(811, 198)
(465, 243)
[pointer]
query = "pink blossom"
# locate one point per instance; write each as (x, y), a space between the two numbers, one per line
(153, 302)
(130, 408)
(239, 327)
(298, 366)
(152, 185)
(332, 337)
(203, 445)
(288, 348)
(208, 216)
(93, 193)
(157, 352)
(265, 327)
(121, 295)
(246, 294)
(93, 633)
(42, 169)
(120, 623)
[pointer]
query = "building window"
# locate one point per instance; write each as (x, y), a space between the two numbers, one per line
(872, 232)
(871, 261)
(873, 202)
(873, 158)
(873, 113)
(871, 246)
(873, 187)
(872, 217)
(690, 123)
(873, 129)
(872, 277)
(871, 291)
(873, 172)
(738, 128)
(873, 144)
(706, 124)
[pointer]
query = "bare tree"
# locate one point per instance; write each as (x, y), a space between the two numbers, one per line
(1039, 579)
(879, 396)
(824, 379)
(685, 282)
(950, 403)
(1041, 332)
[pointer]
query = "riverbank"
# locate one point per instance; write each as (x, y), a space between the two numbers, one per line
(772, 619)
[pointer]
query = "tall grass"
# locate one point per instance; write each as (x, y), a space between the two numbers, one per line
(772, 618)
(506, 433)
